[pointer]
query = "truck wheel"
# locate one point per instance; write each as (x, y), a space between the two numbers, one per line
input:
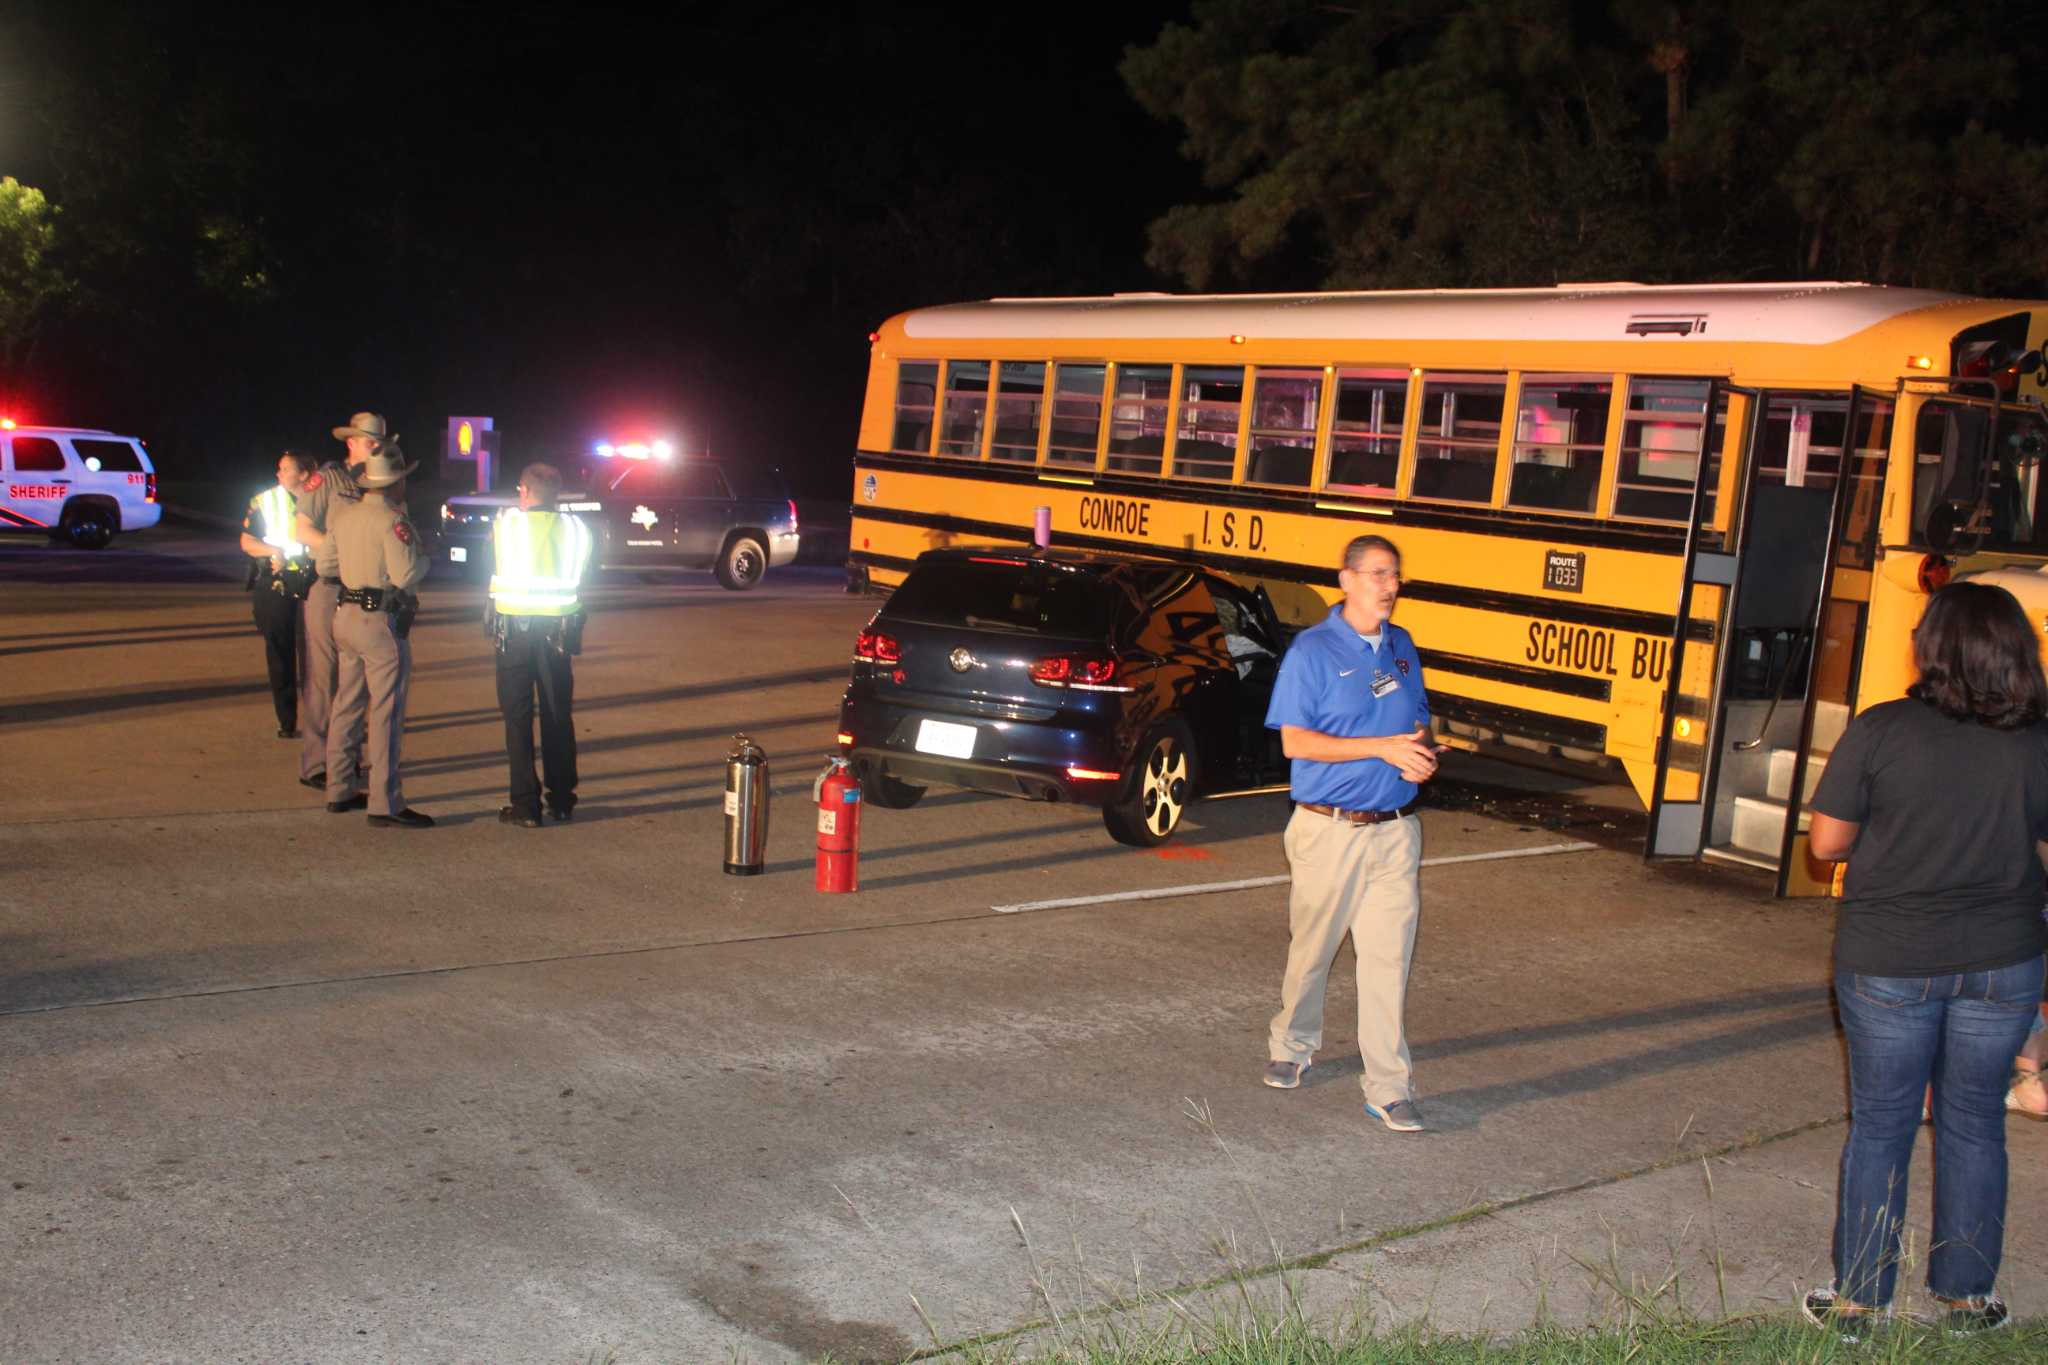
(744, 562)
(1155, 793)
(87, 526)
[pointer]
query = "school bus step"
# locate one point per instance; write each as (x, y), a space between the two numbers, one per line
(1759, 826)
(1779, 784)
(1741, 857)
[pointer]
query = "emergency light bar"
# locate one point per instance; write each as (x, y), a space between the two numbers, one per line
(637, 450)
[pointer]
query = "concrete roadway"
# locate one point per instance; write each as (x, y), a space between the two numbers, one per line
(278, 1086)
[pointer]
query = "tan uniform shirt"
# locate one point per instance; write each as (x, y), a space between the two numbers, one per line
(375, 545)
(319, 498)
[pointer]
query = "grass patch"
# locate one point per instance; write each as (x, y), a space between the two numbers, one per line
(1761, 1340)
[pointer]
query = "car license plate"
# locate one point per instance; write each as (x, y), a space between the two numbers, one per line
(945, 738)
(458, 554)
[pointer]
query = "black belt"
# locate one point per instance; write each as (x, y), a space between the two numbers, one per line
(335, 581)
(1358, 817)
(369, 599)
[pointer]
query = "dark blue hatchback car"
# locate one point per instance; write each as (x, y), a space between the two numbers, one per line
(1116, 681)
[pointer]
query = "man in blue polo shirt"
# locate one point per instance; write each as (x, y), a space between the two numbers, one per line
(1354, 720)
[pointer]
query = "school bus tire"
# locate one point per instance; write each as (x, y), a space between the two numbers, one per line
(1155, 792)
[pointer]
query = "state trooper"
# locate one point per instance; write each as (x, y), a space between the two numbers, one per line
(332, 485)
(538, 556)
(280, 568)
(380, 560)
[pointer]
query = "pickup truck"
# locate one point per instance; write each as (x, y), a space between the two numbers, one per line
(653, 513)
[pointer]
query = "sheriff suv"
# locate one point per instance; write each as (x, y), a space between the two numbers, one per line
(76, 484)
(1116, 681)
(655, 512)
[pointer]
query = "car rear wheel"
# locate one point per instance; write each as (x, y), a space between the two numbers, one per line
(877, 788)
(87, 527)
(1156, 791)
(744, 562)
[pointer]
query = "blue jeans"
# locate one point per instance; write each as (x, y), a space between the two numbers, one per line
(1958, 1033)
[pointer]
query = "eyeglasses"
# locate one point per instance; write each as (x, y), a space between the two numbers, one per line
(1378, 575)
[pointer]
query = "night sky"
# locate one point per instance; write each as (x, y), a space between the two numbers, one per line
(578, 220)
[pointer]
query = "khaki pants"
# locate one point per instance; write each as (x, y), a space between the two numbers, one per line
(1361, 880)
(374, 669)
(316, 677)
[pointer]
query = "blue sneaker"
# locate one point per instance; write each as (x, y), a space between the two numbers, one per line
(1284, 1075)
(1402, 1116)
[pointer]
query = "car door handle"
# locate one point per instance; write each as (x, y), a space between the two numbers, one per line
(62, 481)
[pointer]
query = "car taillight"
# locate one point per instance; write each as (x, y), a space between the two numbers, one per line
(792, 514)
(873, 647)
(149, 488)
(1074, 670)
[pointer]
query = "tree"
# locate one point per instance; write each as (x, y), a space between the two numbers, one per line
(32, 286)
(1495, 142)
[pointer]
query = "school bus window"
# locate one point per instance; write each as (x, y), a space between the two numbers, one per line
(1137, 419)
(1211, 399)
(1948, 444)
(1799, 442)
(1661, 439)
(1873, 444)
(1020, 398)
(1365, 437)
(1285, 404)
(2019, 495)
(1560, 435)
(966, 407)
(917, 382)
(1460, 441)
(1076, 414)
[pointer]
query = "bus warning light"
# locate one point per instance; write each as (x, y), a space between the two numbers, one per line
(1920, 362)
(1683, 729)
(1237, 338)
(1934, 573)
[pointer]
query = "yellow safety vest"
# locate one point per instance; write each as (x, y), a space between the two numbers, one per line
(538, 559)
(279, 507)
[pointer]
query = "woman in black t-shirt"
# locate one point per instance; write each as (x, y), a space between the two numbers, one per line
(1939, 801)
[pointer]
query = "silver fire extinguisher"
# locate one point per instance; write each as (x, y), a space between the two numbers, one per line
(746, 807)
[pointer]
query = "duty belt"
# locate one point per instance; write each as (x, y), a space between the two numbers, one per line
(335, 581)
(369, 599)
(1358, 817)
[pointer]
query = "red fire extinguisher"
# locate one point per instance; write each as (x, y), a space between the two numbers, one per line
(837, 792)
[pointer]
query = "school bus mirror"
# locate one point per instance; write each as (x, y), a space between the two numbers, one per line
(1954, 528)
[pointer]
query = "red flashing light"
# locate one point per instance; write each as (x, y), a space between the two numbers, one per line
(1092, 775)
(149, 488)
(873, 647)
(874, 337)
(6, 424)
(845, 740)
(792, 513)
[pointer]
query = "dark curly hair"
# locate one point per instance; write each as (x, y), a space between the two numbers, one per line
(1979, 658)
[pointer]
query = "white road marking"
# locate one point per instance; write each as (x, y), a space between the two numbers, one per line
(1250, 883)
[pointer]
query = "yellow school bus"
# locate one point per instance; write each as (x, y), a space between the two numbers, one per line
(1684, 530)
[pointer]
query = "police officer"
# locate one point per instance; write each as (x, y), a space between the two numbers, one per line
(538, 556)
(378, 554)
(279, 566)
(330, 486)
